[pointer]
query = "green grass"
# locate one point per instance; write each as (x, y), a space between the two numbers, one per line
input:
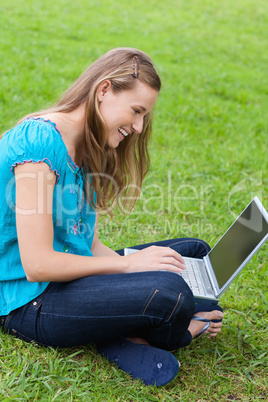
(209, 157)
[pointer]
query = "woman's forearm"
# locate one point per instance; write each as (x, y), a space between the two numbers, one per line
(60, 267)
(53, 266)
(99, 249)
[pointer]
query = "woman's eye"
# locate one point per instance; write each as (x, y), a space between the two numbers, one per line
(136, 111)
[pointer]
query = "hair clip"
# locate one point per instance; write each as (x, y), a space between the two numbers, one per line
(135, 66)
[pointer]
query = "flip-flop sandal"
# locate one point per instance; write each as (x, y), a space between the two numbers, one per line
(205, 307)
(152, 365)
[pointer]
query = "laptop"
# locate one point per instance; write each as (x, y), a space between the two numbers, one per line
(209, 277)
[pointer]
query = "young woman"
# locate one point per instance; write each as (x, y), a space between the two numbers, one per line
(60, 286)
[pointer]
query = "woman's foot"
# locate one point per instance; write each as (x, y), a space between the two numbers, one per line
(138, 340)
(196, 326)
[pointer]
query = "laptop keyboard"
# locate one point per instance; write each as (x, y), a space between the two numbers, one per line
(191, 277)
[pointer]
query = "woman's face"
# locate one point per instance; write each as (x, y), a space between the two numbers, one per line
(123, 112)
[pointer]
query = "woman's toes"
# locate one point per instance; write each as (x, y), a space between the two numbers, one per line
(217, 315)
(214, 327)
(210, 315)
(212, 335)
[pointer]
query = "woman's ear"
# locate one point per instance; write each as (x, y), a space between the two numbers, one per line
(103, 89)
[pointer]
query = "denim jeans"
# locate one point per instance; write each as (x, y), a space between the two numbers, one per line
(157, 305)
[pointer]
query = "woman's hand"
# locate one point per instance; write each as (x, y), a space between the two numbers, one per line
(155, 258)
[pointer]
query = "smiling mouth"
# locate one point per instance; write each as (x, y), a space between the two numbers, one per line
(122, 131)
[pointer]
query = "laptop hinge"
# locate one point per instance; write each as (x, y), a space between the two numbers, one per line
(211, 275)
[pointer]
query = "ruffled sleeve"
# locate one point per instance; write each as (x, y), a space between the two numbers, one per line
(36, 140)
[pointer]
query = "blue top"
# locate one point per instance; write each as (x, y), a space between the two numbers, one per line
(38, 140)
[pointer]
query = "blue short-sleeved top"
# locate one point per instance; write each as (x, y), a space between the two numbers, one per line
(37, 140)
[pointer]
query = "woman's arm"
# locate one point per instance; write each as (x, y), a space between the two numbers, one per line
(99, 249)
(34, 194)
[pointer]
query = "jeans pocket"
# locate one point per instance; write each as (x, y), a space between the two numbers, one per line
(20, 336)
(25, 338)
(151, 297)
(2, 320)
(163, 304)
(37, 303)
(177, 306)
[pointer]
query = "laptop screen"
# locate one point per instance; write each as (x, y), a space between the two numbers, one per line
(238, 242)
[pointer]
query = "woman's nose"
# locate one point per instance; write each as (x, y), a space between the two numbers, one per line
(138, 125)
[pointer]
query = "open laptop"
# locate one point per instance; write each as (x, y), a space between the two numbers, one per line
(210, 277)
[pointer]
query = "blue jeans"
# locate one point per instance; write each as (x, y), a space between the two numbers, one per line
(156, 305)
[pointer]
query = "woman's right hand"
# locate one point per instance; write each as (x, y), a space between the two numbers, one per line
(155, 258)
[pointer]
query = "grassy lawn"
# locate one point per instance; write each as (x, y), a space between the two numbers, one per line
(209, 158)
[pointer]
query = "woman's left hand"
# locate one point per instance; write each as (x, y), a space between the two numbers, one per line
(155, 258)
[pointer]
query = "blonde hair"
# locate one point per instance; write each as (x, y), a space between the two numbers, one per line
(111, 170)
